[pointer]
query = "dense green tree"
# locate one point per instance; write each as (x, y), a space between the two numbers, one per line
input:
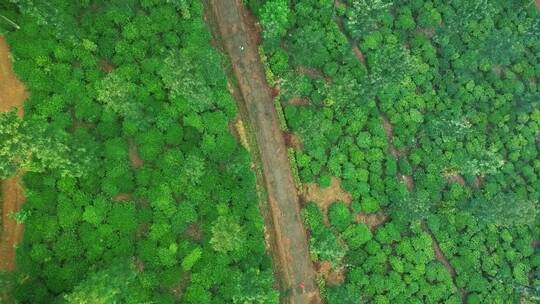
(110, 285)
(26, 147)
(254, 287)
(118, 94)
(227, 234)
(275, 17)
(356, 235)
(339, 215)
(191, 259)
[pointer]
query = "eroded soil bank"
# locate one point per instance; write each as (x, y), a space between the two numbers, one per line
(12, 94)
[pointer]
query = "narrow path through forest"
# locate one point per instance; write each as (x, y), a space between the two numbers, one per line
(290, 249)
(12, 94)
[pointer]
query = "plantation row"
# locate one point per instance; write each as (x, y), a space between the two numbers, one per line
(433, 121)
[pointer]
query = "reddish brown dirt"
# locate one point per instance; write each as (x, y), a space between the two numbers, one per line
(105, 66)
(389, 131)
(325, 197)
(478, 181)
(308, 71)
(439, 255)
(121, 197)
(194, 232)
(13, 199)
(179, 289)
(428, 32)
(293, 141)
(134, 158)
(299, 101)
(275, 91)
(12, 91)
(456, 178)
(359, 55)
(12, 94)
(333, 277)
(408, 181)
(354, 45)
(290, 253)
(139, 265)
(371, 220)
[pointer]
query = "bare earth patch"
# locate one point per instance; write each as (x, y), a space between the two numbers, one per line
(179, 289)
(478, 181)
(12, 91)
(309, 71)
(134, 157)
(105, 66)
(324, 197)
(13, 199)
(12, 94)
(456, 178)
(333, 277)
(121, 197)
(237, 128)
(194, 232)
(408, 181)
(371, 220)
(429, 32)
(299, 101)
(293, 141)
(358, 53)
(389, 132)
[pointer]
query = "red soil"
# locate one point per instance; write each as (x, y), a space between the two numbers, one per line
(13, 198)
(121, 197)
(325, 197)
(292, 141)
(299, 101)
(371, 220)
(12, 94)
(134, 158)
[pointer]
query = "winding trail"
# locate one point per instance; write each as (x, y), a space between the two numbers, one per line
(12, 95)
(289, 245)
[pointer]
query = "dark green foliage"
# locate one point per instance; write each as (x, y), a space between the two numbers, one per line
(114, 78)
(275, 17)
(339, 216)
(456, 83)
(357, 235)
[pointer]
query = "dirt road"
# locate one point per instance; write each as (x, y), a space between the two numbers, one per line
(12, 94)
(290, 250)
(12, 91)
